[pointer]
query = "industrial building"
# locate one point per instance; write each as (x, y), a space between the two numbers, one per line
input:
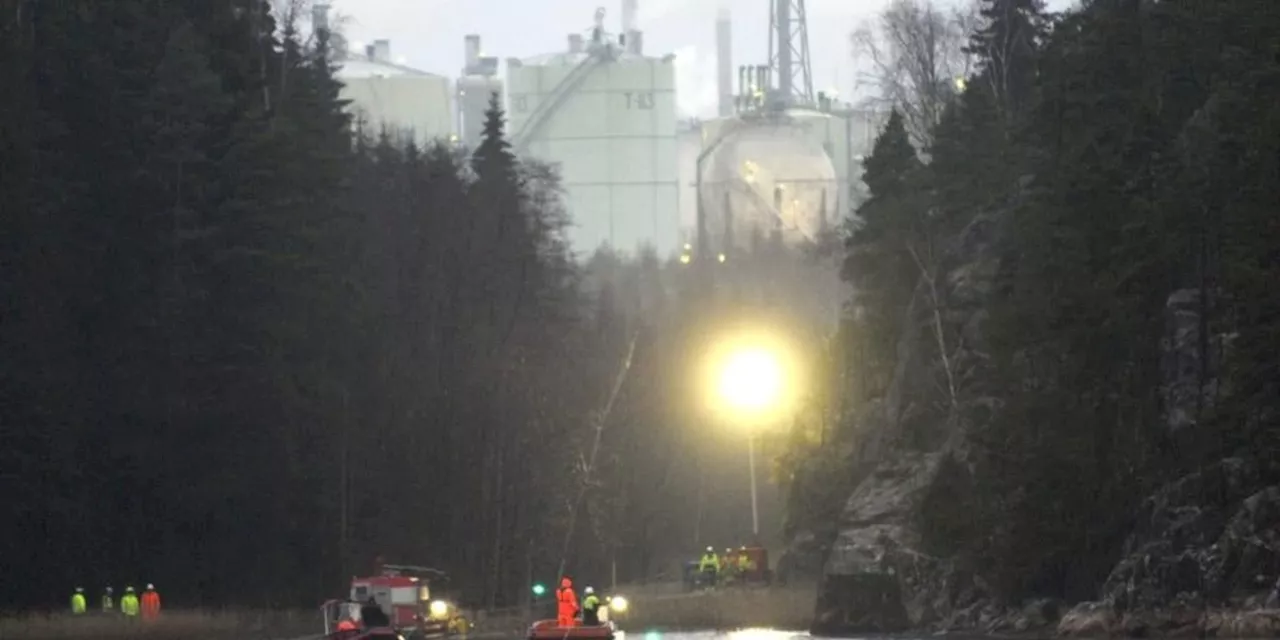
(477, 86)
(796, 170)
(605, 113)
(780, 159)
(384, 96)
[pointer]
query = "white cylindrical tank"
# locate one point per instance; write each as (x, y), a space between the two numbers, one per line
(610, 125)
(778, 176)
(403, 101)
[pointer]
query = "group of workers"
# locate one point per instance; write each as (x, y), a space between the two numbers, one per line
(146, 607)
(567, 605)
(720, 569)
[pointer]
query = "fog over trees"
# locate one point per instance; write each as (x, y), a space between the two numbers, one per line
(1118, 165)
(245, 351)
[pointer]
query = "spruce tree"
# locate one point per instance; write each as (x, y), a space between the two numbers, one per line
(879, 264)
(1006, 49)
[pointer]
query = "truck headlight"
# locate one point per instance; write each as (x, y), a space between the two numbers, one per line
(618, 603)
(439, 608)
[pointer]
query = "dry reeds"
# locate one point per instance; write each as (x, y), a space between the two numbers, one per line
(782, 608)
(171, 625)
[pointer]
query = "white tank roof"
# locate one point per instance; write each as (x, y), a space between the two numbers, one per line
(565, 58)
(356, 68)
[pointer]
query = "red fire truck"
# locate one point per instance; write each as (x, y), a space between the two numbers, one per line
(403, 593)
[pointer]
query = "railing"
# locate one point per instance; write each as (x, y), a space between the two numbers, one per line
(553, 102)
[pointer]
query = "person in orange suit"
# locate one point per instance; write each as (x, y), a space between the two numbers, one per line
(150, 603)
(566, 603)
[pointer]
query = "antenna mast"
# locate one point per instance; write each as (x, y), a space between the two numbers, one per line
(789, 52)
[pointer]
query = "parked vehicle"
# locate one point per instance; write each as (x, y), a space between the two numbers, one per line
(404, 593)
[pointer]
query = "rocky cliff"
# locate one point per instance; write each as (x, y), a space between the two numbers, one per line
(1193, 569)
(876, 577)
(1185, 569)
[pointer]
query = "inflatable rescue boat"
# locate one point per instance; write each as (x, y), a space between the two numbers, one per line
(550, 630)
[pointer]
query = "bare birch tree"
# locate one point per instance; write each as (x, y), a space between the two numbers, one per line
(911, 57)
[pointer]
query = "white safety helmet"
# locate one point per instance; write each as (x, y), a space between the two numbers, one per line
(588, 591)
(150, 587)
(710, 550)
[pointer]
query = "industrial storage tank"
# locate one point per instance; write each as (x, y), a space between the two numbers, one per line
(689, 145)
(797, 171)
(767, 173)
(387, 96)
(476, 87)
(606, 114)
(848, 134)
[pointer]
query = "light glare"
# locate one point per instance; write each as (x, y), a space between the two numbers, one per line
(439, 609)
(751, 380)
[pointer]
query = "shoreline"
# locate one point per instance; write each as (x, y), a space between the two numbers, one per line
(1090, 620)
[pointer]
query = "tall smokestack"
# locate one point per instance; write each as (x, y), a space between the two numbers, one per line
(630, 9)
(724, 61)
(472, 50)
(631, 26)
(782, 26)
(320, 17)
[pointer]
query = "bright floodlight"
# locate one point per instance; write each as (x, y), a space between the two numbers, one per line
(751, 380)
(618, 603)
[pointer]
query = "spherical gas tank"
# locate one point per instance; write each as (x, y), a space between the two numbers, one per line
(777, 176)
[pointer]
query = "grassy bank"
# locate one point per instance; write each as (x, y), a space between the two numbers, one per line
(790, 608)
(172, 625)
(781, 608)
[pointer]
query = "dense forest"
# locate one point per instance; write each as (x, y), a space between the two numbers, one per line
(246, 351)
(1123, 159)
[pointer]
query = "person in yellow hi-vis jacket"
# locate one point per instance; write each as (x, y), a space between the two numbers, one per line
(78, 604)
(129, 604)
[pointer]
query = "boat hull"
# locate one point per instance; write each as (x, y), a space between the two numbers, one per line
(549, 630)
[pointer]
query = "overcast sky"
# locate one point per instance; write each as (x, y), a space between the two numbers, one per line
(427, 34)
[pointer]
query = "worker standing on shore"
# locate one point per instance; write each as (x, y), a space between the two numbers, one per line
(108, 601)
(590, 608)
(150, 603)
(78, 603)
(746, 564)
(129, 603)
(709, 566)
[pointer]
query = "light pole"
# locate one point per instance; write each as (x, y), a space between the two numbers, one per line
(750, 385)
(755, 509)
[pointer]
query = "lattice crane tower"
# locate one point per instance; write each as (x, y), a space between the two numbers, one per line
(789, 52)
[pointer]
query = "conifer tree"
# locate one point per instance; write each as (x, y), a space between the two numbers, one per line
(1006, 48)
(879, 264)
